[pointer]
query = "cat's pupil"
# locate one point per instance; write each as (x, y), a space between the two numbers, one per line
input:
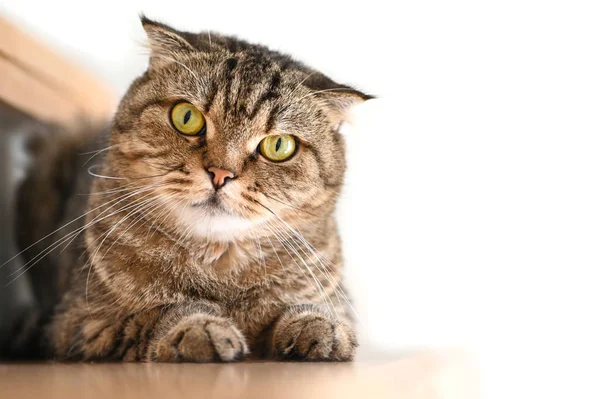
(187, 117)
(278, 145)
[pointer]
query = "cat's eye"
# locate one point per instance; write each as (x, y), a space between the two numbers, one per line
(187, 119)
(278, 148)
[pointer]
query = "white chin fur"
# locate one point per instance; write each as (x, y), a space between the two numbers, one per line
(221, 227)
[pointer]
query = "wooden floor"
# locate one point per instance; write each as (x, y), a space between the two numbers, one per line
(423, 376)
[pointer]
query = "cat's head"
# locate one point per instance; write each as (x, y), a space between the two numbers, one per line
(231, 135)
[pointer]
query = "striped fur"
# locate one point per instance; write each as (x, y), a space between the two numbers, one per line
(164, 268)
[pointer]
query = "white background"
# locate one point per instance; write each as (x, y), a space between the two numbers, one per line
(472, 211)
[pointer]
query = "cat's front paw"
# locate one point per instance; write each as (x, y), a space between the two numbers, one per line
(313, 336)
(201, 339)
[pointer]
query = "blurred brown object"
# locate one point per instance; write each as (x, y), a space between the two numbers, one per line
(39, 83)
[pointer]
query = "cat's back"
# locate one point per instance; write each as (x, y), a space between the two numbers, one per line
(50, 202)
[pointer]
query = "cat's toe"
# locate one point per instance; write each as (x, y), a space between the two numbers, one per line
(314, 338)
(201, 339)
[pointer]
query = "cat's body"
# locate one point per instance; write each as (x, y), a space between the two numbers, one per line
(168, 265)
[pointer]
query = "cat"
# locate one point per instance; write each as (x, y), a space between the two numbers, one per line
(207, 233)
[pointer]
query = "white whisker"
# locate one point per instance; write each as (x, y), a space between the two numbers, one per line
(119, 199)
(96, 153)
(321, 288)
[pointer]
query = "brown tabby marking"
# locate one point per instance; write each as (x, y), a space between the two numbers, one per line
(163, 266)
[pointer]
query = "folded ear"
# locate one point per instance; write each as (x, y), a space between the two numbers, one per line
(339, 98)
(166, 43)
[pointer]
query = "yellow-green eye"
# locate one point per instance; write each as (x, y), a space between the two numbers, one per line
(187, 119)
(278, 148)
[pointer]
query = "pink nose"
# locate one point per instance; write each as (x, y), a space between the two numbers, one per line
(220, 176)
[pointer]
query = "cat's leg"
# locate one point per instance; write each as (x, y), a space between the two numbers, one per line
(193, 332)
(193, 336)
(310, 333)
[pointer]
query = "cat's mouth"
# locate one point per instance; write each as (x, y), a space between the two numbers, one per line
(212, 204)
(211, 217)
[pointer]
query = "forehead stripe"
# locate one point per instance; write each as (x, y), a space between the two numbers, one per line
(270, 94)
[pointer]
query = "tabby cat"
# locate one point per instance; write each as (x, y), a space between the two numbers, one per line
(207, 232)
